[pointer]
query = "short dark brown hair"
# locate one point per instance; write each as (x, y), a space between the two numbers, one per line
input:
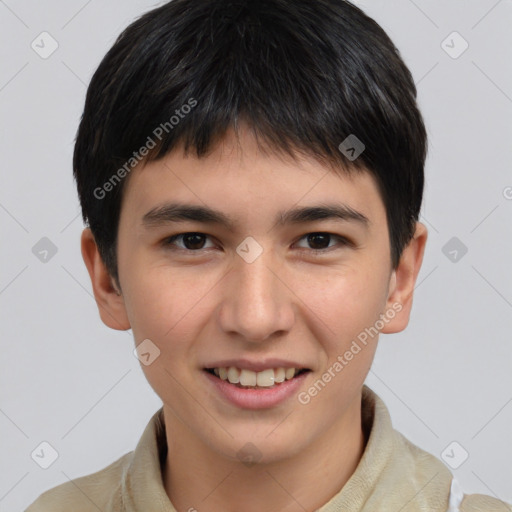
(304, 75)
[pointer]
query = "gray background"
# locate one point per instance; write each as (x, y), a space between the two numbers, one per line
(68, 380)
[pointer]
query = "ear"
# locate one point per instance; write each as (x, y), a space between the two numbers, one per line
(403, 280)
(109, 300)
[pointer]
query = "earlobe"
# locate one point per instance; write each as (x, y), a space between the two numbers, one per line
(108, 298)
(403, 281)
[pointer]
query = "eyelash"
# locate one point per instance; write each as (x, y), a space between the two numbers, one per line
(316, 252)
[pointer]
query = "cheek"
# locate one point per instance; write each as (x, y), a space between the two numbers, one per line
(167, 306)
(147, 308)
(344, 313)
(346, 301)
(164, 310)
(348, 307)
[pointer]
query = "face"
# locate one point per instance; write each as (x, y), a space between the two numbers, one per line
(262, 278)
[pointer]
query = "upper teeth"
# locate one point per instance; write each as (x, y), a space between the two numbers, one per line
(265, 378)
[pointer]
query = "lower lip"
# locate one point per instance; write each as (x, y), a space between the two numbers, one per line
(257, 398)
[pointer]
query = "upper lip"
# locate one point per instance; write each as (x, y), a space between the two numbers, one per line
(256, 366)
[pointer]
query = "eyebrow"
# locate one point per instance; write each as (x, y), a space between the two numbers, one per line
(179, 212)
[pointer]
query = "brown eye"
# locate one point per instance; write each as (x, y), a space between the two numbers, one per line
(319, 242)
(193, 241)
(189, 241)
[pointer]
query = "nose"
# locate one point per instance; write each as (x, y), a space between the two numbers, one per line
(256, 301)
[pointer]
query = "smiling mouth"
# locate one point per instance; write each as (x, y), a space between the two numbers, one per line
(248, 379)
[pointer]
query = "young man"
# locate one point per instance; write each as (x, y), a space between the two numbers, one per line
(252, 174)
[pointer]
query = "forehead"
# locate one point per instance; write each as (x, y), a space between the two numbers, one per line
(244, 182)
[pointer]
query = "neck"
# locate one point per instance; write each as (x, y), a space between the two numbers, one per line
(198, 478)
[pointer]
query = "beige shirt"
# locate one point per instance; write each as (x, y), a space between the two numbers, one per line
(393, 475)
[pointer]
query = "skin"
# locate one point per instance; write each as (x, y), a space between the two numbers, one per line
(212, 304)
